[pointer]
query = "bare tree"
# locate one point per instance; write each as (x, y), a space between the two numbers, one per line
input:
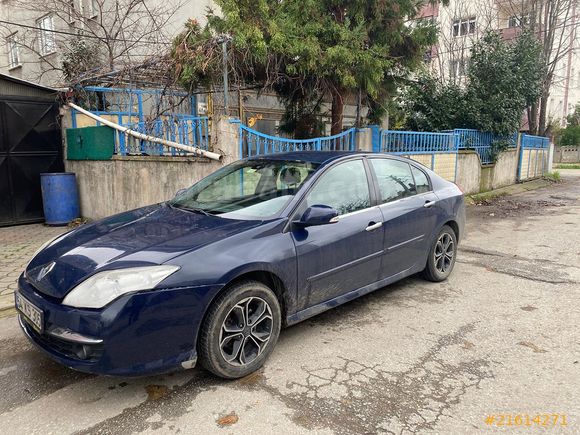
(105, 35)
(555, 23)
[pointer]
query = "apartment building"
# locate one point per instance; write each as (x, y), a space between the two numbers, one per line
(462, 22)
(35, 35)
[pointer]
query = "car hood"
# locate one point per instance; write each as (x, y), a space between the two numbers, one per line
(146, 236)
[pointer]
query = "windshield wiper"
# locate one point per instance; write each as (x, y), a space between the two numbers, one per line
(191, 209)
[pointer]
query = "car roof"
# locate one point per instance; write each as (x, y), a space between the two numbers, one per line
(319, 157)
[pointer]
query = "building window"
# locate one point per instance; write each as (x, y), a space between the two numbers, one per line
(458, 68)
(46, 38)
(463, 27)
(13, 51)
(519, 20)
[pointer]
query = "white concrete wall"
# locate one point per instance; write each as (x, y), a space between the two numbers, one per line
(505, 169)
(124, 183)
(472, 177)
(468, 171)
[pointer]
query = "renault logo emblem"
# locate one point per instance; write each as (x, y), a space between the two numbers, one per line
(45, 270)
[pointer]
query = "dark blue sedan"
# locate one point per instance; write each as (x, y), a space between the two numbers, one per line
(214, 274)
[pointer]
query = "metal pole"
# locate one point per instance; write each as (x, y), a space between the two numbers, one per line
(358, 104)
(225, 72)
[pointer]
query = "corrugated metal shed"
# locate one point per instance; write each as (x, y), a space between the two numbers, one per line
(12, 86)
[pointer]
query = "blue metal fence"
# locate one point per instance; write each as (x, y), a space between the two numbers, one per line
(253, 143)
(482, 142)
(414, 142)
(166, 114)
(437, 151)
(533, 158)
(183, 129)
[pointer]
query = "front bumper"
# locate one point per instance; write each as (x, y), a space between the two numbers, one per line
(137, 334)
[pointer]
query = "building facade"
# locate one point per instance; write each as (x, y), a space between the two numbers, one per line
(35, 36)
(462, 22)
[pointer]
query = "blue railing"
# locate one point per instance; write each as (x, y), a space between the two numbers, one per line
(186, 130)
(126, 104)
(414, 142)
(482, 142)
(536, 142)
(533, 158)
(253, 143)
(166, 114)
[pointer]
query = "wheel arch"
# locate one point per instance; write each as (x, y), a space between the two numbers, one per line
(262, 275)
(454, 226)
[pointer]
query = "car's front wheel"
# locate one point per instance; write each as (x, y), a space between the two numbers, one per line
(441, 255)
(240, 330)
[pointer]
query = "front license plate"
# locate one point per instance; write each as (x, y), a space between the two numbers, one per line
(31, 312)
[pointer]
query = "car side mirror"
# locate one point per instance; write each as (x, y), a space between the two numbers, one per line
(180, 192)
(317, 215)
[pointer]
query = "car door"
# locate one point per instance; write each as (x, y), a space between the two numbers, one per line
(407, 206)
(336, 258)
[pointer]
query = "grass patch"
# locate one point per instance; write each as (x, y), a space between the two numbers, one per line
(553, 176)
(567, 166)
(485, 197)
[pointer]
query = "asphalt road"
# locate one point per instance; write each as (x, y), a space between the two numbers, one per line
(500, 337)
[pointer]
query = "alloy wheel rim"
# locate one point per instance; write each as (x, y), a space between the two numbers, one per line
(246, 331)
(444, 253)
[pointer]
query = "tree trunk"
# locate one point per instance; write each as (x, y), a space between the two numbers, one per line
(337, 111)
(543, 115)
(533, 119)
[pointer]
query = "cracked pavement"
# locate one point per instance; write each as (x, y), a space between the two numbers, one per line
(500, 336)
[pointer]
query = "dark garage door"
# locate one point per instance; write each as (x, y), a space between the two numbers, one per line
(30, 143)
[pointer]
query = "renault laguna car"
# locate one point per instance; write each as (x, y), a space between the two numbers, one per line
(215, 273)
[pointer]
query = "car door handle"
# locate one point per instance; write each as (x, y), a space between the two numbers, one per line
(429, 204)
(373, 226)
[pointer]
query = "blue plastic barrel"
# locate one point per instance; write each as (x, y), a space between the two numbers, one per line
(60, 197)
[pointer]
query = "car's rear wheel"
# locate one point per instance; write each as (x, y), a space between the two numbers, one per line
(240, 330)
(441, 255)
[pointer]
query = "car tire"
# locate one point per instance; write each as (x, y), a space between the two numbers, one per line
(233, 344)
(442, 256)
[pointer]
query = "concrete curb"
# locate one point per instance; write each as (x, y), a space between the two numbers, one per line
(514, 189)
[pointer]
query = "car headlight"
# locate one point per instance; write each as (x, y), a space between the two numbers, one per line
(104, 287)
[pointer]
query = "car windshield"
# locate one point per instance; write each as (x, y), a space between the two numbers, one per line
(252, 189)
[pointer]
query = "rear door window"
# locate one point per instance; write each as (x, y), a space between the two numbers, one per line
(421, 181)
(395, 179)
